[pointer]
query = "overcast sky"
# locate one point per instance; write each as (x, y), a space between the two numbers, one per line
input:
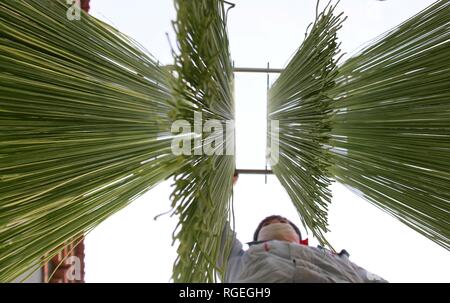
(132, 247)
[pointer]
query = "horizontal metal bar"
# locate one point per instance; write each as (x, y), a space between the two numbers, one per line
(257, 70)
(254, 171)
(244, 69)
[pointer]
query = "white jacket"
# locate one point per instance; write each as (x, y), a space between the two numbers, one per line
(285, 262)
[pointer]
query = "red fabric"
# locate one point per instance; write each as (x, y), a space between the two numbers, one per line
(85, 5)
(304, 242)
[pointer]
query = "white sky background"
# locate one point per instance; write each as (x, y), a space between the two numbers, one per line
(132, 247)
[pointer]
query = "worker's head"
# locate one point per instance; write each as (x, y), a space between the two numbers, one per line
(277, 228)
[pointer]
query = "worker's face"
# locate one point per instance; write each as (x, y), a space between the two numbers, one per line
(276, 220)
(278, 229)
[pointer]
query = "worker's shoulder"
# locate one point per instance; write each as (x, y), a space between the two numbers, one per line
(292, 250)
(343, 253)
